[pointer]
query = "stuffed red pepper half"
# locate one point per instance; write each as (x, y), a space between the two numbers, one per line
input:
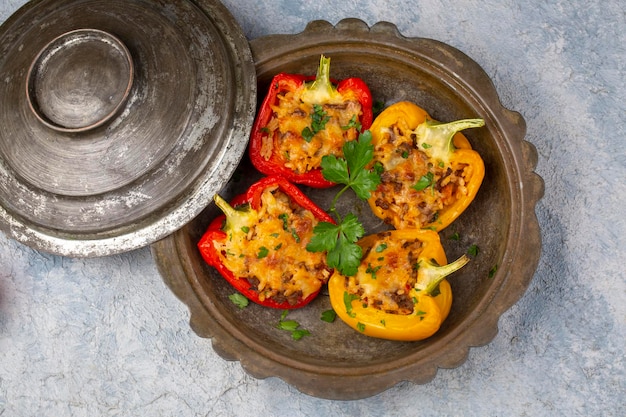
(304, 118)
(259, 244)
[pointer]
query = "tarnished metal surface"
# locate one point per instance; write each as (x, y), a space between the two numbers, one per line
(153, 166)
(79, 80)
(335, 361)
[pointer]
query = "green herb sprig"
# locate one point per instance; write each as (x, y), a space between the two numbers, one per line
(339, 240)
(291, 326)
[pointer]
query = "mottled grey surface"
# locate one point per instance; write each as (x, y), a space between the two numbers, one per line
(86, 337)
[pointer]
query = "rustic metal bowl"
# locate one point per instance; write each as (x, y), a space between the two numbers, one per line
(335, 361)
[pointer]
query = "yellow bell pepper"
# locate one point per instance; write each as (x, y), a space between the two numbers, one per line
(431, 174)
(400, 291)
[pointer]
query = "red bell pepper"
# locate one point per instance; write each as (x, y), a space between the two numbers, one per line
(304, 118)
(259, 244)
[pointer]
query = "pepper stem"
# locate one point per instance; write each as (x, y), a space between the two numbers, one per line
(430, 275)
(321, 90)
(236, 219)
(435, 138)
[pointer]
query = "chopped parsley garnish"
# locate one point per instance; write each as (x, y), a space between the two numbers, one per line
(319, 118)
(239, 300)
(294, 234)
(291, 326)
(424, 182)
(347, 301)
(263, 252)
(328, 316)
(372, 270)
(493, 271)
(285, 218)
(473, 250)
(353, 123)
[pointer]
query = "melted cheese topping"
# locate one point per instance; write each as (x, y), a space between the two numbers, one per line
(272, 254)
(283, 134)
(387, 272)
(405, 164)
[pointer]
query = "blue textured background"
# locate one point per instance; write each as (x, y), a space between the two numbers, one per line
(87, 337)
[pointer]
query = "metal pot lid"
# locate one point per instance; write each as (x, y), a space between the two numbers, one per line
(120, 119)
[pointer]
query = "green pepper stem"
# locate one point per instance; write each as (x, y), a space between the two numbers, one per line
(435, 138)
(235, 218)
(321, 90)
(430, 275)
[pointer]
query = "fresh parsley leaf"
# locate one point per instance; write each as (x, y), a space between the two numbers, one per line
(352, 228)
(345, 256)
(328, 316)
(338, 241)
(335, 169)
(324, 237)
(289, 325)
(364, 183)
(239, 300)
(358, 153)
(350, 170)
